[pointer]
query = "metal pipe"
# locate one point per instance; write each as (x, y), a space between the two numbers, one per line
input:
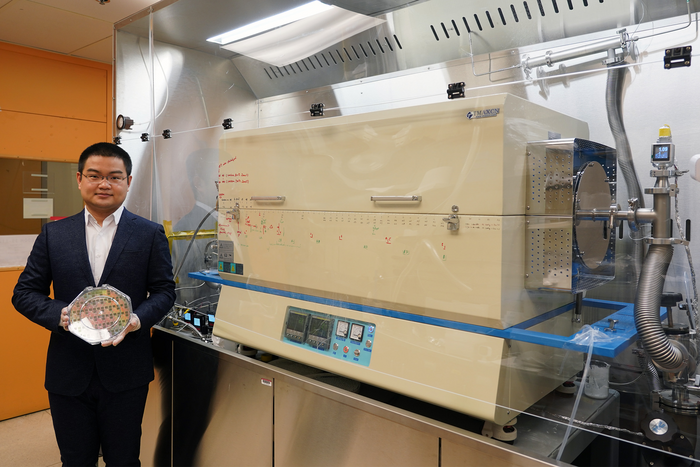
(662, 226)
(550, 57)
(646, 216)
(578, 309)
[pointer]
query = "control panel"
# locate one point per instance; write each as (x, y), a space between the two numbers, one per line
(334, 336)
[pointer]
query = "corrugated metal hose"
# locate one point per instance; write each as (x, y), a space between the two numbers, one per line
(658, 347)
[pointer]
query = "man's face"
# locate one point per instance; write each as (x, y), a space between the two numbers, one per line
(107, 192)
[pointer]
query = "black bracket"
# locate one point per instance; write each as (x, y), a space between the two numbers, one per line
(228, 123)
(167, 134)
(680, 56)
(144, 137)
(316, 110)
(455, 90)
(124, 123)
(117, 140)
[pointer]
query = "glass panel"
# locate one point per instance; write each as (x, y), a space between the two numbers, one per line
(459, 249)
(188, 209)
(133, 77)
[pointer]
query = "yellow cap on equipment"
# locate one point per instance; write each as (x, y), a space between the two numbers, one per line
(665, 131)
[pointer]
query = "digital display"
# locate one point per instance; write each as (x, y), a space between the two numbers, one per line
(342, 330)
(197, 322)
(661, 153)
(296, 322)
(319, 327)
(356, 332)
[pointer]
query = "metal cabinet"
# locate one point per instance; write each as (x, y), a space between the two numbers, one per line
(209, 406)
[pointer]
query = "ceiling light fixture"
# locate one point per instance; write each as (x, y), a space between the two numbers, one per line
(289, 16)
(295, 41)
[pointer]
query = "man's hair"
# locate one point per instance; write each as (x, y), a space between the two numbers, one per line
(105, 150)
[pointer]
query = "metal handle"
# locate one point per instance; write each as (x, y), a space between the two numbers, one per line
(267, 198)
(397, 198)
(611, 327)
(452, 222)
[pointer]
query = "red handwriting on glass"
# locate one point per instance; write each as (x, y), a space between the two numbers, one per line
(227, 162)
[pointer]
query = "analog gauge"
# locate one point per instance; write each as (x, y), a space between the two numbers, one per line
(342, 329)
(356, 332)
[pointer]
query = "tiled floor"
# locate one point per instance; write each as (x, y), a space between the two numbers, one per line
(29, 441)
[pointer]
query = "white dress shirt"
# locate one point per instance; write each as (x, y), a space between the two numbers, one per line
(99, 240)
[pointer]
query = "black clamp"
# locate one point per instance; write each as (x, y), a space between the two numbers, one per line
(144, 137)
(167, 134)
(680, 56)
(117, 140)
(671, 299)
(455, 90)
(316, 110)
(228, 123)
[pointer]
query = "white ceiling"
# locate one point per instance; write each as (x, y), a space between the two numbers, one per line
(79, 28)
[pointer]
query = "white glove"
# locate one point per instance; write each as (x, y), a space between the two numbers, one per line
(134, 325)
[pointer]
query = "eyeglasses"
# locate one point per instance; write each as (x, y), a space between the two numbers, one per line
(111, 179)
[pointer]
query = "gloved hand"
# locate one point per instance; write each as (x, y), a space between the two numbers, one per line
(65, 319)
(134, 325)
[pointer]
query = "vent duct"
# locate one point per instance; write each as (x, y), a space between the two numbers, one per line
(414, 33)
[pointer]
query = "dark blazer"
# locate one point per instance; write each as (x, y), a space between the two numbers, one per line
(138, 264)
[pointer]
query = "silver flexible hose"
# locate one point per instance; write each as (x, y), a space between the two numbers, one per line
(650, 370)
(646, 309)
(613, 105)
(625, 163)
(654, 378)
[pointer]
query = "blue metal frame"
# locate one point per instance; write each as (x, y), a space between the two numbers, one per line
(625, 332)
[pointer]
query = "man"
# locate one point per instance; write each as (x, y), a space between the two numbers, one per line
(97, 394)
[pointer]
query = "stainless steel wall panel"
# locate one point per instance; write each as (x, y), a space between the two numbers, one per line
(156, 438)
(187, 92)
(222, 412)
(313, 430)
